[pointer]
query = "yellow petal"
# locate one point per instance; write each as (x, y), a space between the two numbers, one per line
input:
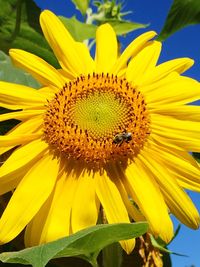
(113, 205)
(135, 214)
(145, 192)
(19, 162)
(53, 221)
(143, 62)
(174, 89)
(35, 227)
(21, 105)
(182, 166)
(7, 140)
(11, 184)
(11, 92)
(106, 48)
(20, 115)
(40, 69)
(30, 126)
(58, 221)
(62, 43)
(177, 200)
(85, 196)
(116, 174)
(29, 196)
(138, 44)
(16, 96)
(173, 129)
(178, 65)
(85, 57)
(182, 112)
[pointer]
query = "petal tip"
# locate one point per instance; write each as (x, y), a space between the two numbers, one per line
(128, 245)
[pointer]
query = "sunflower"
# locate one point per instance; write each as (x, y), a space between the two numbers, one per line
(112, 132)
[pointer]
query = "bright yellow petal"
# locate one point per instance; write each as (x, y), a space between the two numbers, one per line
(183, 112)
(85, 196)
(113, 205)
(19, 162)
(145, 192)
(29, 196)
(30, 126)
(117, 175)
(53, 221)
(35, 227)
(84, 54)
(62, 43)
(135, 214)
(19, 95)
(157, 85)
(138, 44)
(143, 62)
(173, 129)
(7, 140)
(58, 221)
(177, 200)
(20, 115)
(182, 166)
(106, 48)
(178, 65)
(174, 89)
(40, 69)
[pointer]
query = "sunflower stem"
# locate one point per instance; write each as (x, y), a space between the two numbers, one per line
(112, 255)
(18, 20)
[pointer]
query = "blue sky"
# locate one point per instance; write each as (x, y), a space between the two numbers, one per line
(185, 43)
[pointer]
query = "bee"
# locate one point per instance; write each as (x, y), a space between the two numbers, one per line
(122, 137)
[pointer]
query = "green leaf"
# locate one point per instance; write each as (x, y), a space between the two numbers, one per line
(28, 40)
(158, 243)
(25, 37)
(85, 244)
(122, 27)
(181, 14)
(80, 31)
(82, 5)
(10, 73)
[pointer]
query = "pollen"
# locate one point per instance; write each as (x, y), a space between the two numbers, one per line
(89, 118)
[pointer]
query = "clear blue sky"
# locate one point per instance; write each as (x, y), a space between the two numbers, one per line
(185, 43)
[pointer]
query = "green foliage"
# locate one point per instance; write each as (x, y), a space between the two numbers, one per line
(112, 255)
(85, 244)
(82, 5)
(18, 29)
(162, 246)
(79, 30)
(10, 73)
(111, 12)
(33, 13)
(122, 27)
(181, 14)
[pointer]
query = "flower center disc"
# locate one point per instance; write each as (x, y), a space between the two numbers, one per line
(97, 119)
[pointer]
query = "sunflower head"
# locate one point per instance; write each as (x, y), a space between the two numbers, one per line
(88, 119)
(98, 133)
